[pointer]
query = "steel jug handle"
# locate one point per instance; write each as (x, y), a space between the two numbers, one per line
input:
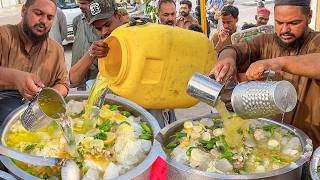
(269, 74)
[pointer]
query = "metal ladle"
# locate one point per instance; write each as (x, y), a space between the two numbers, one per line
(65, 164)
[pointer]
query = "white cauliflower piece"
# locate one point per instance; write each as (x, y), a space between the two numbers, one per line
(92, 174)
(111, 171)
(179, 155)
(145, 145)
(128, 151)
(74, 107)
(224, 165)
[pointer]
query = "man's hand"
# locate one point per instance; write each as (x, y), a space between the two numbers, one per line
(226, 68)
(98, 49)
(223, 35)
(257, 69)
(27, 84)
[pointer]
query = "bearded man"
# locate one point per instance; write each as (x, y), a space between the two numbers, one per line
(293, 51)
(185, 19)
(29, 60)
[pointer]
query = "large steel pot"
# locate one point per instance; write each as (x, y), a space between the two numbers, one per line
(177, 170)
(315, 162)
(139, 172)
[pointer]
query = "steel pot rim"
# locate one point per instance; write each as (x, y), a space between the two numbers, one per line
(304, 139)
(314, 163)
(144, 165)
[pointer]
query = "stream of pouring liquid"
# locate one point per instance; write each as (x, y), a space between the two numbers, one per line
(232, 125)
(94, 103)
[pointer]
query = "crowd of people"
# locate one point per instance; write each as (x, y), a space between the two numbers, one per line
(30, 60)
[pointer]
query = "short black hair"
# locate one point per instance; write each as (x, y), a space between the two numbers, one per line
(187, 2)
(230, 11)
(247, 26)
(160, 2)
(195, 27)
(28, 3)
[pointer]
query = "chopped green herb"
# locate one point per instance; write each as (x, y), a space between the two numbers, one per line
(101, 136)
(125, 122)
(79, 161)
(180, 135)
(270, 128)
(114, 107)
(228, 154)
(218, 124)
(172, 145)
(107, 146)
(275, 159)
(146, 127)
(125, 113)
(30, 147)
(145, 136)
(105, 126)
(14, 161)
(251, 130)
(45, 176)
(188, 152)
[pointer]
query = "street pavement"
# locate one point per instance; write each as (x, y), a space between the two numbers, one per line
(247, 10)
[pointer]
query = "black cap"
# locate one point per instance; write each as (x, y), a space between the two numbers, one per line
(292, 2)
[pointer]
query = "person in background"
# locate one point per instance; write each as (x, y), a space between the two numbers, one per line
(195, 27)
(262, 16)
(213, 11)
(166, 12)
(185, 19)
(229, 18)
(83, 65)
(29, 60)
(293, 52)
(247, 26)
(59, 30)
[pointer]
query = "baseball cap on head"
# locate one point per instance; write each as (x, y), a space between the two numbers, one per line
(100, 9)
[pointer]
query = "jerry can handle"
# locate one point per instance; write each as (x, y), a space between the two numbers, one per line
(133, 21)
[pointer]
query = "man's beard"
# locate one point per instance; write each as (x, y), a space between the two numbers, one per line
(34, 37)
(184, 14)
(169, 23)
(296, 44)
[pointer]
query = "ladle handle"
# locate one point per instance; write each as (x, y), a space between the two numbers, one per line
(30, 159)
(6, 176)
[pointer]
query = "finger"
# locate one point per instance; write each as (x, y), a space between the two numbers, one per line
(222, 74)
(216, 71)
(101, 44)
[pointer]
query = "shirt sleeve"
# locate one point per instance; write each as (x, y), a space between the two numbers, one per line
(61, 74)
(63, 25)
(248, 52)
(314, 44)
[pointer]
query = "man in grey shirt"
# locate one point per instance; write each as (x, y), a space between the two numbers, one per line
(84, 35)
(59, 29)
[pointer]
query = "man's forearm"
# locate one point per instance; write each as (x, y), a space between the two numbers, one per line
(7, 76)
(228, 53)
(303, 65)
(80, 69)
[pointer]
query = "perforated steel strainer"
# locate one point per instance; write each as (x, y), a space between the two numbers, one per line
(257, 99)
(43, 108)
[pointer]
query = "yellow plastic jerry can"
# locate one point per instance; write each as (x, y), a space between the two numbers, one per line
(151, 64)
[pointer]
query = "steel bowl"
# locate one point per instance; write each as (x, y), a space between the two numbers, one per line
(177, 170)
(314, 163)
(139, 172)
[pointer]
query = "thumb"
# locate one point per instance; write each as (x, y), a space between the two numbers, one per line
(37, 81)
